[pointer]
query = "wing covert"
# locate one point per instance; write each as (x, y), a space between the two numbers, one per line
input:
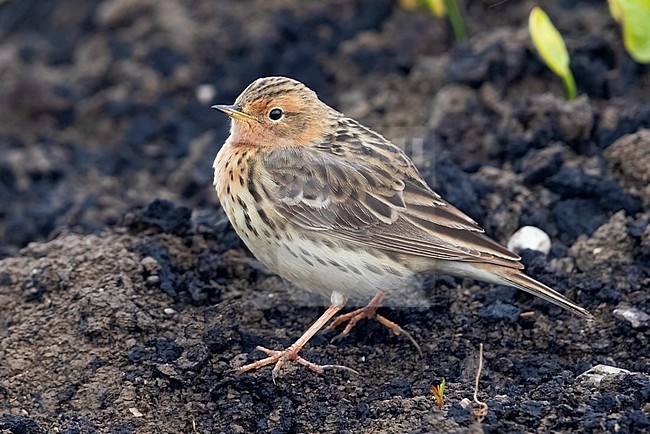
(373, 196)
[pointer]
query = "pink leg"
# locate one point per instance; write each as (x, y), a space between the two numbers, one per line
(291, 353)
(369, 312)
(353, 317)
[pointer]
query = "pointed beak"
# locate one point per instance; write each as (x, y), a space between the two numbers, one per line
(234, 112)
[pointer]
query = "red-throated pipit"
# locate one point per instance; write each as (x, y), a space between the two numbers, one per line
(335, 208)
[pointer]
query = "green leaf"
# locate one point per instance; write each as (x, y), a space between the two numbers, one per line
(550, 46)
(455, 19)
(615, 10)
(437, 7)
(635, 18)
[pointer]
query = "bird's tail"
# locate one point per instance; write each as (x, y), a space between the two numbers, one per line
(519, 280)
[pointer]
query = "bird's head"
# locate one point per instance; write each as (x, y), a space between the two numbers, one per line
(277, 111)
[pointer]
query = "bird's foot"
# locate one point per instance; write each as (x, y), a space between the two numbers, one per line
(280, 358)
(369, 312)
(352, 319)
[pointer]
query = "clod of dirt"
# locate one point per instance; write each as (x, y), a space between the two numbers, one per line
(610, 244)
(539, 164)
(553, 117)
(629, 160)
(160, 215)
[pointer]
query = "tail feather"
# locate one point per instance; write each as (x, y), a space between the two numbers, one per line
(520, 281)
(509, 276)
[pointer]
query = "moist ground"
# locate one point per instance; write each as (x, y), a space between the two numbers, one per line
(123, 313)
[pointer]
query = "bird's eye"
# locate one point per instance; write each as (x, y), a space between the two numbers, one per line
(275, 114)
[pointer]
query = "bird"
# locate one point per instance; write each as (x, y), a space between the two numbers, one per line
(335, 208)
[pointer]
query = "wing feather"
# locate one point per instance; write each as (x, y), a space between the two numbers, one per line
(372, 195)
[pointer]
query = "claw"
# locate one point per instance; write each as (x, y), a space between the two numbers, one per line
(369, 312)
(397, 330)
(280, 358)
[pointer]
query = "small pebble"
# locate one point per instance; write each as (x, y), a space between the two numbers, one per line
(205, 93)
(168, 370)
(135, 412)
(636, 317)
(530, 237)
(169, 311)
(150, 264)
(595, 375)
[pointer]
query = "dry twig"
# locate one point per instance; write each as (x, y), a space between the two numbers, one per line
(480, 412)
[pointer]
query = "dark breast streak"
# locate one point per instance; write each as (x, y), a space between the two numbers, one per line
(244, 198)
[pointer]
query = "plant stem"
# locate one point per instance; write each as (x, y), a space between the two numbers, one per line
(570, 86)
(483, 407)
(456, 19)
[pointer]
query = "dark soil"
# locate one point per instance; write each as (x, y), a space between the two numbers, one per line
(120, 313)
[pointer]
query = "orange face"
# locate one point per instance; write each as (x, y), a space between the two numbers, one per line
(277, 114)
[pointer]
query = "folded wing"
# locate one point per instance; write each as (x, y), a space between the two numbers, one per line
(372, 195)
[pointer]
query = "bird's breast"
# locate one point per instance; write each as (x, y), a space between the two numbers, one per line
(233, 168)
(311, 260)
(245, 201)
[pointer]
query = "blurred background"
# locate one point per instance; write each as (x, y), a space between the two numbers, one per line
(104, 105)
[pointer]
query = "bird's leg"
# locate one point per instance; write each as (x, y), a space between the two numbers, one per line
(353, 317)
(291, 353)
(369, 312)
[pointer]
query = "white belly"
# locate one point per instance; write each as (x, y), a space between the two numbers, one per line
(324, 269)
(315, 266)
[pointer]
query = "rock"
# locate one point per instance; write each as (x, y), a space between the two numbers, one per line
(532, 238)
(636, 317)
(595, 375)
(169, 311)
(169, 371)
(150, 265)
(205, 93)
(135, 412)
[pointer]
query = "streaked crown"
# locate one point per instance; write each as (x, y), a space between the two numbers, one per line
(270, 88)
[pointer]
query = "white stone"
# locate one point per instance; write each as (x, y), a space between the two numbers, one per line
(595, 375)
(530, 237)
(205, 93)
(636, 317)
(135, 412)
